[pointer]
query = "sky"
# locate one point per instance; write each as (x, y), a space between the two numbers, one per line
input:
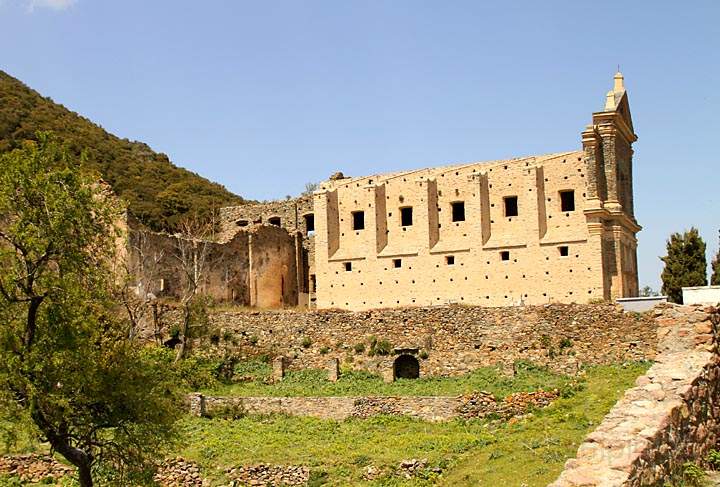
(264, 97)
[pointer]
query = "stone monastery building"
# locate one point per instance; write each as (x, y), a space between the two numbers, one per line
(532, 230)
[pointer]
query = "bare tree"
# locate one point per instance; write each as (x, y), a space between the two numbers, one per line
(192, 245)
(143, 270)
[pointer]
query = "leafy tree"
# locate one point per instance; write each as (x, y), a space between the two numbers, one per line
(715, 277)
(67, 366)
(685, 264)
(648, 291)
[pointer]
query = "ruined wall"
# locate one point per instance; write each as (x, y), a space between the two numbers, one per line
(456, 339)
(671, 417)
(295, 216)
(256, 267)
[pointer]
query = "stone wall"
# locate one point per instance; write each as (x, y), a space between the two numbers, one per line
(258, 266)
(451, 340)
(671, 417)
(428, 408)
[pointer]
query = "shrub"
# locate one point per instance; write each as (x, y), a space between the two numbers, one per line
(714, 458)
(379, 347)
(306, 342)
(359, 347)
(423, 355)
(324, 350)
(565, 343)
(254, 340)
(227, 411)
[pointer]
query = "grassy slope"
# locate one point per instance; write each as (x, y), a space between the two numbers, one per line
(158, 192)
(531, 451)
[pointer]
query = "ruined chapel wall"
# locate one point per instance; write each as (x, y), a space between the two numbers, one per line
(273, 268)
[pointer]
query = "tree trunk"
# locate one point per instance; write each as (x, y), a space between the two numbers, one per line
(84, 475)
(183, 333)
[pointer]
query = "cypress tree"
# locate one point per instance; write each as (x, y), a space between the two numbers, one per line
(715, 279)
(685, 264)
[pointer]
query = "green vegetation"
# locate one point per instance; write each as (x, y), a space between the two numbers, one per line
(158, 193)
(475, 452)
(715, 276)
(530, 451)
(685, 264)
(69, 371)
(359, 383)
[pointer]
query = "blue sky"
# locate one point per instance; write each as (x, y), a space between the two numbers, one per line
(266, 96)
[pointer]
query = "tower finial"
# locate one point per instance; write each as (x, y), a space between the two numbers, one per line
(619, 81)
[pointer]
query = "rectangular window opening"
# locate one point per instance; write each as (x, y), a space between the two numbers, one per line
(564, 250)
(348, 266)
(450, 260)
(358, 220)
(406, 216)
(397, 263)
(309, 222)
(505, 255)
(274, 221)
(458, 211)
(511, 205)
(242, 223)
(567, 200)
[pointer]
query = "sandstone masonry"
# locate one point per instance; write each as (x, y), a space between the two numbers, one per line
(530, 230)
(671, 417)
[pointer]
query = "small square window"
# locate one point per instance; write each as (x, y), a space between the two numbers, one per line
(274, 221)
(406, 216)
(348, 266)
(450, 260)
(358, 220)
(397, 263)
(505, 255)
(511, 205)
(564, 250)
(458, 211)
(567, 200)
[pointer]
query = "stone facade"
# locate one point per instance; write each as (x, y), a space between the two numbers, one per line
(451, 340)
(531, 230)
(671, 417)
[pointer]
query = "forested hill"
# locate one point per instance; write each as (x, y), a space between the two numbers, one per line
(157, 192)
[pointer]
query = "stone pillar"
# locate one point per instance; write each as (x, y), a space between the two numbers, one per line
(388, 373)
(197, 404)
(278, 368)
(333, 368)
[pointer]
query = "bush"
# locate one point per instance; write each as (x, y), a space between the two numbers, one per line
(383, 347)
(306, 342)
(324, 350)
(359, 347)
(423, 355)
(565, 343)
(254, 340)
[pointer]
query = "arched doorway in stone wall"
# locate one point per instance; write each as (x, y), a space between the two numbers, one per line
(406, 367)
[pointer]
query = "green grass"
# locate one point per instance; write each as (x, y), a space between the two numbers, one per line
(356, 383)
(528, 452)
(531, 451)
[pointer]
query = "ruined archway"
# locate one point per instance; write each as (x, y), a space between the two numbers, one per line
(406, 367)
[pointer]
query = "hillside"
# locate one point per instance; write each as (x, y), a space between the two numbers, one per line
(157, 192)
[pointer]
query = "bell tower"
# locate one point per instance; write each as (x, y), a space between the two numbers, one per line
(610, 208)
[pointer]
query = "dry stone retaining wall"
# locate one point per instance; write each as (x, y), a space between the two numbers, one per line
(428, 408)
(452, 340)
(672, 416)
